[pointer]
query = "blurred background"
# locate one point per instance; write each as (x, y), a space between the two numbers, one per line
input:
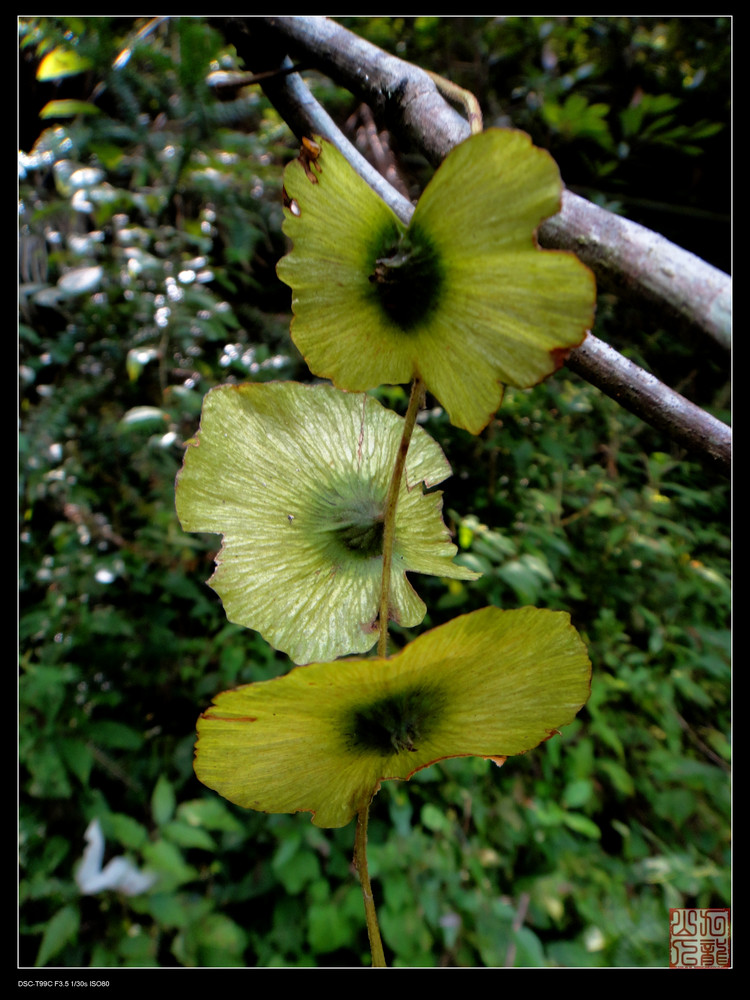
(150, 225)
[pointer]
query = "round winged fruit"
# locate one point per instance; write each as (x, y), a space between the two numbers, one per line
(462, 297)
(295, 478)
(322, 738)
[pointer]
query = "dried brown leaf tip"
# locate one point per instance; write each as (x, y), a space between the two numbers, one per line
(308, 154)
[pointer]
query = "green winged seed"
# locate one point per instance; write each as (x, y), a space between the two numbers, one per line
(295, 478)
(462, 297)
(321, 738)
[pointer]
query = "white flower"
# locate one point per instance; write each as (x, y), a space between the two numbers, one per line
(119, 874)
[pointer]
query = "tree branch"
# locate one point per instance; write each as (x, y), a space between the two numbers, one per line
(626, 257)
(652, 401)
(402, 96)
(260, 49)
(634, 261)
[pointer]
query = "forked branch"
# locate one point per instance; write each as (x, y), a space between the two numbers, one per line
(626, 257)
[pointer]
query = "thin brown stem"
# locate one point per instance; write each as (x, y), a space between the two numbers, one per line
(389, 526)
(360, 863)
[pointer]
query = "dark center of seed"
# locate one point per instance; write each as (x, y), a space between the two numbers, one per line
(354, 522)
(406, 278)
(395, 724)
(362, 539)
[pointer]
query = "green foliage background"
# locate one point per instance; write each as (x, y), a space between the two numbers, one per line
(150, 227)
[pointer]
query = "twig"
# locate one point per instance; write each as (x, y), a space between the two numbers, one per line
(401, 95)
(652, 401)
(628, 257)
(375, 145)
(518, 919)
(703, 747)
